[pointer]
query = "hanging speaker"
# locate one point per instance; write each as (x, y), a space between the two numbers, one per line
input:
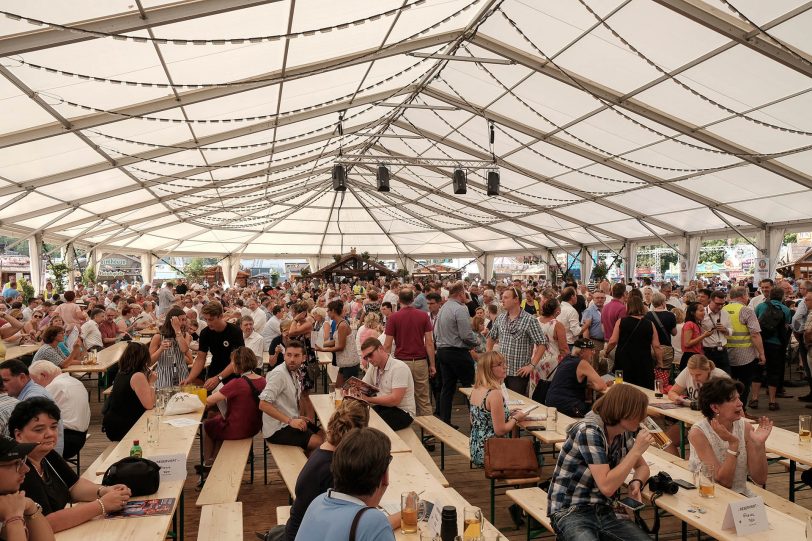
(339, 178)
(383, 178)
(460, 182)
(493, 182)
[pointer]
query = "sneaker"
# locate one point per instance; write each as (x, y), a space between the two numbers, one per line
(806, 398)
(774, 406)
(516, 514)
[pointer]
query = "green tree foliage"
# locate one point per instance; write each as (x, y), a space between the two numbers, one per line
(195, 270)
(60, 272)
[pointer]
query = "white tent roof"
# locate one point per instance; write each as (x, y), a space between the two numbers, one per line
(211, 126)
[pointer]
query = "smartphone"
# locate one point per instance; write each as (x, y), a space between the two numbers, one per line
(535, 428)
(685, 484)
(631, 503)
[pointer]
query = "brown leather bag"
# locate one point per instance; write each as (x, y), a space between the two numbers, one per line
(510, 458)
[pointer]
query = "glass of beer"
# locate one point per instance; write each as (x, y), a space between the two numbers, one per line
(339, 397)
(805, 428)
(473, 524)
(661, 440)
(552, 418)
(658, 388)
(707, 487)
(618, 376)
(409, 503)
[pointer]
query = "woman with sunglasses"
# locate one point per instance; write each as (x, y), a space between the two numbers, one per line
(32, 326)
(21, 517)
(50, 351)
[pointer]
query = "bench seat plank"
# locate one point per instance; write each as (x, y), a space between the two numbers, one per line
(221, 522)
(445, 433)
(413, 440)
(225, 478)
(290, 460)
(534, 502)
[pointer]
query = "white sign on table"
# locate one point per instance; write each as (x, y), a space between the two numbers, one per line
(173, 467)
(746, 516)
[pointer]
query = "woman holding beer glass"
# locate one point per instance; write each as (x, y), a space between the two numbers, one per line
(725, 441)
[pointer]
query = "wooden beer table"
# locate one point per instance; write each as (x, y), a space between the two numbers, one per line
(105, 359)
(325, 406)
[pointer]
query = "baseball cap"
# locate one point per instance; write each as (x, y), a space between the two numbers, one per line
(583, 343)
(13, 450)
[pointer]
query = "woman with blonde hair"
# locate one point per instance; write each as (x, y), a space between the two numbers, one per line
(490, 416)
(478, 326)
(698, 370)
(371, 328)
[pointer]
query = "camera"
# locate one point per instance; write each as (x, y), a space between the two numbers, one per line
(662, 483)
(695, 405)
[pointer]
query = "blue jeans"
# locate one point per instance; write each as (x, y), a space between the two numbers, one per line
(594, 522)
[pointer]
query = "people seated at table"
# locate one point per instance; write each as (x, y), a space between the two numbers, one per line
(132, 392)
(50, 351)
(567, 391)
(71, 397)
(698, 370)
(725, 440)
(18, 383)
(7, 404)
(52, 482)
(252, 339)
(394, 401)
(490, 415)
(32, 327)
(91, 335)
(168, 349)
(316, 477)
(600, 452)
(360, 469)
(281, 404)
(21, 517)
(238, 401)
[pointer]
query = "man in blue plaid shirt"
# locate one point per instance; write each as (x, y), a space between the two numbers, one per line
(600, 452)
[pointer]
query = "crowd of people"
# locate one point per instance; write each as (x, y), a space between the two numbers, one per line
(255, 348)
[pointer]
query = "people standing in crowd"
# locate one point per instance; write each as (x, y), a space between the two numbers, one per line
(360, 469)
(71, 397)
(591, 327)
(169, 348)
(569, 315)
(132, 393)
(774, 319)
(343, 344)
(692, 333)
(530, 304)
(745, 345)
(69, 311)
(252, 339)
(799, 320)
(455, 340)
(520, 339)
(220, 338)
(765, 286)
(725, 440)
(166, 297)
(718, 321)
(411, 331)
(557, 347)
(665, 323)
(636, 339)
(614, 310)
(596, 459)
(280, 402)
(395, 400)
(572, 376)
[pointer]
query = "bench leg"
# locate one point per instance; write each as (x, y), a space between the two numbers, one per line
(684, 530)
(682, 439)
(493, 504)
(265, 460)
(251, 461)
(792, 480)
(442, 455)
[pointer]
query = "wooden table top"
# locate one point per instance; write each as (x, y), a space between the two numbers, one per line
(13, 352)
(171, 440)
(105, 358)
(785, 443)
(325, 406)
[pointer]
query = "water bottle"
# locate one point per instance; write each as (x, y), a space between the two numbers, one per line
(448, 524)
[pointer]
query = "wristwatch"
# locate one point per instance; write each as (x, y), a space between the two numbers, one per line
(37, 510)
(220, 377)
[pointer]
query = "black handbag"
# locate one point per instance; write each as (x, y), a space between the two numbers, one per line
(140, 475)
(543, 385)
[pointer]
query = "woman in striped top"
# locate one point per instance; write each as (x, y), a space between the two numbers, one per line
(168, 349)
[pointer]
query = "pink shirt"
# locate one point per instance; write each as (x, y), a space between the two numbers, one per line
(71, 314)
(612, 311)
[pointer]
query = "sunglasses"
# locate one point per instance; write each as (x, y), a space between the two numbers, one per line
(368, 356)
(37, 317)
(18, 465)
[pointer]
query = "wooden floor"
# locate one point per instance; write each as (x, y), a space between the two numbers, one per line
(260, 501)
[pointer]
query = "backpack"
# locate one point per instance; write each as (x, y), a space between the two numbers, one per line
(771, 320)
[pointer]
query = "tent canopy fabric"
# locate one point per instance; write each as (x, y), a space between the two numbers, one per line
(211, 127)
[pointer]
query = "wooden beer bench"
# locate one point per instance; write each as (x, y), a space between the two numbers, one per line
(224, 480)
(220, 522)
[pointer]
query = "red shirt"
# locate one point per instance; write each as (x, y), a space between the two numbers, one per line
(108, 329)
(408, 326)
(695, 331)
(612, 311)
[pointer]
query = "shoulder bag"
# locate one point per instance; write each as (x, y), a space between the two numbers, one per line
(668, 351)
(510, 458)
(542, 386)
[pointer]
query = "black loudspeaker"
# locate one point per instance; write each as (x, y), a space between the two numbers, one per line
(339, 178)
(383, 178)
(493, 182)
(460, 182)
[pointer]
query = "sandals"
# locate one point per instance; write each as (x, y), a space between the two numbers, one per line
(753, 404)
(774, 406)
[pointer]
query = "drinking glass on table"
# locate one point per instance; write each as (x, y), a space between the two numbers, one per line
(660, 439)
(707, 484)
(472, 525)
(618, 376)
(805, 428)
(153, 428)
(552, 419)
(409, 505)
(658, 388)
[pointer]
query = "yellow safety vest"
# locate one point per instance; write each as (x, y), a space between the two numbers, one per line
(741, 333)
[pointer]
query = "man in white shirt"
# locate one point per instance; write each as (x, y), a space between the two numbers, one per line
(166, 297)
(765, 286)
(91, 335)
(271, 329)
(718, 321)
(395, 399)
(391, 296)
(71, 396)
(252, 338)
(569, 315)
(257, 314)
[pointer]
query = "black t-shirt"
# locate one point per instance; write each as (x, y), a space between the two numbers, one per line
(220, 344)
(314, 479)
(669, 321)
(472, 306)
(181, 289)
(52, 492)
(266, 289)
(277, 341)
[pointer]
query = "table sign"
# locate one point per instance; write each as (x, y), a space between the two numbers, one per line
(746, 516)
(173, 467)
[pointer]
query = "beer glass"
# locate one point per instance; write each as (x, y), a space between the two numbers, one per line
(707, 487)
(153, 427)
(409, 504)
(339, 397)
(618, 376)
(472, 517)
(661, 440)
(805, 428)
(658, 388)
(552, 418)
